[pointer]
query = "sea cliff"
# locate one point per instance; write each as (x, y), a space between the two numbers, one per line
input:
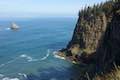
(96, 42)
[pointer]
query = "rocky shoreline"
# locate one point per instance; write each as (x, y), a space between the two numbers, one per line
(96, 41)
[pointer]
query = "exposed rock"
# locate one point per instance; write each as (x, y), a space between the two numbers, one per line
(96, 38)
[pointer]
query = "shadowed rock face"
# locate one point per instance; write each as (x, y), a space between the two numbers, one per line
(97, 33)
(90, 28)
(109, 50)
(88, 34)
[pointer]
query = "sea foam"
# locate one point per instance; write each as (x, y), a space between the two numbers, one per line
(22, 74)
(55, 53)
(47, 55)
(7, 28)
(1, 75)
(2, 65)
(7, 78)
(29, 58)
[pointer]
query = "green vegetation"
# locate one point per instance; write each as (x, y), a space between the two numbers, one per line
(97, 33)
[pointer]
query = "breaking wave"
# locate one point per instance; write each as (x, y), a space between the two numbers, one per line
(7, 78)
(3, 77)
(2, 29)
(55, 53)
(11, 61)
(22, 74)
(7, 28)
(29, 58)
(47, 55)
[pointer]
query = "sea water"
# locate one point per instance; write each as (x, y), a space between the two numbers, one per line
(27, 54)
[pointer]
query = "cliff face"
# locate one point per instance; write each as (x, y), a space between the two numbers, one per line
(97, 31)
(89, 31)
(91, 26)
(108, 51)
(96, 38)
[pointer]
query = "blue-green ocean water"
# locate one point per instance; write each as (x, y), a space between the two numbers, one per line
(27, 54)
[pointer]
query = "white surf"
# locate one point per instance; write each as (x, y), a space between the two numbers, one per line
(47, 55)
(55, 53)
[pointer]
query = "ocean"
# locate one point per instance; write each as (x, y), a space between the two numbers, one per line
(27, 54)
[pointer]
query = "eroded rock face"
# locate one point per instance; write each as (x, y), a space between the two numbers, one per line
(109, 50)
(88, 34)
(89, 30)
(98, 28)
(97, 36)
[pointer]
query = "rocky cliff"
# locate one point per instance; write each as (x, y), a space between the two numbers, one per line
(91, 26)
(96, 39)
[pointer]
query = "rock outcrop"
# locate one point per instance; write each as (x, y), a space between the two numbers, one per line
(96, 38)
(91, 27)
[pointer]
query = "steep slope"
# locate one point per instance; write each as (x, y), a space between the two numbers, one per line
(91, 26)
(96, 39)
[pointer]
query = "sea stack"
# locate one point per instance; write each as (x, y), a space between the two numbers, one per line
(14, 26)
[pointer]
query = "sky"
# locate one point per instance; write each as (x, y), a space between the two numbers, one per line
(42, 8)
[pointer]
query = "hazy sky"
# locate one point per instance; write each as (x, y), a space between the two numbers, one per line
(42, 8)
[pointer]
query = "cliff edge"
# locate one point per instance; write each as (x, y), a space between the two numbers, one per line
(96, 41)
